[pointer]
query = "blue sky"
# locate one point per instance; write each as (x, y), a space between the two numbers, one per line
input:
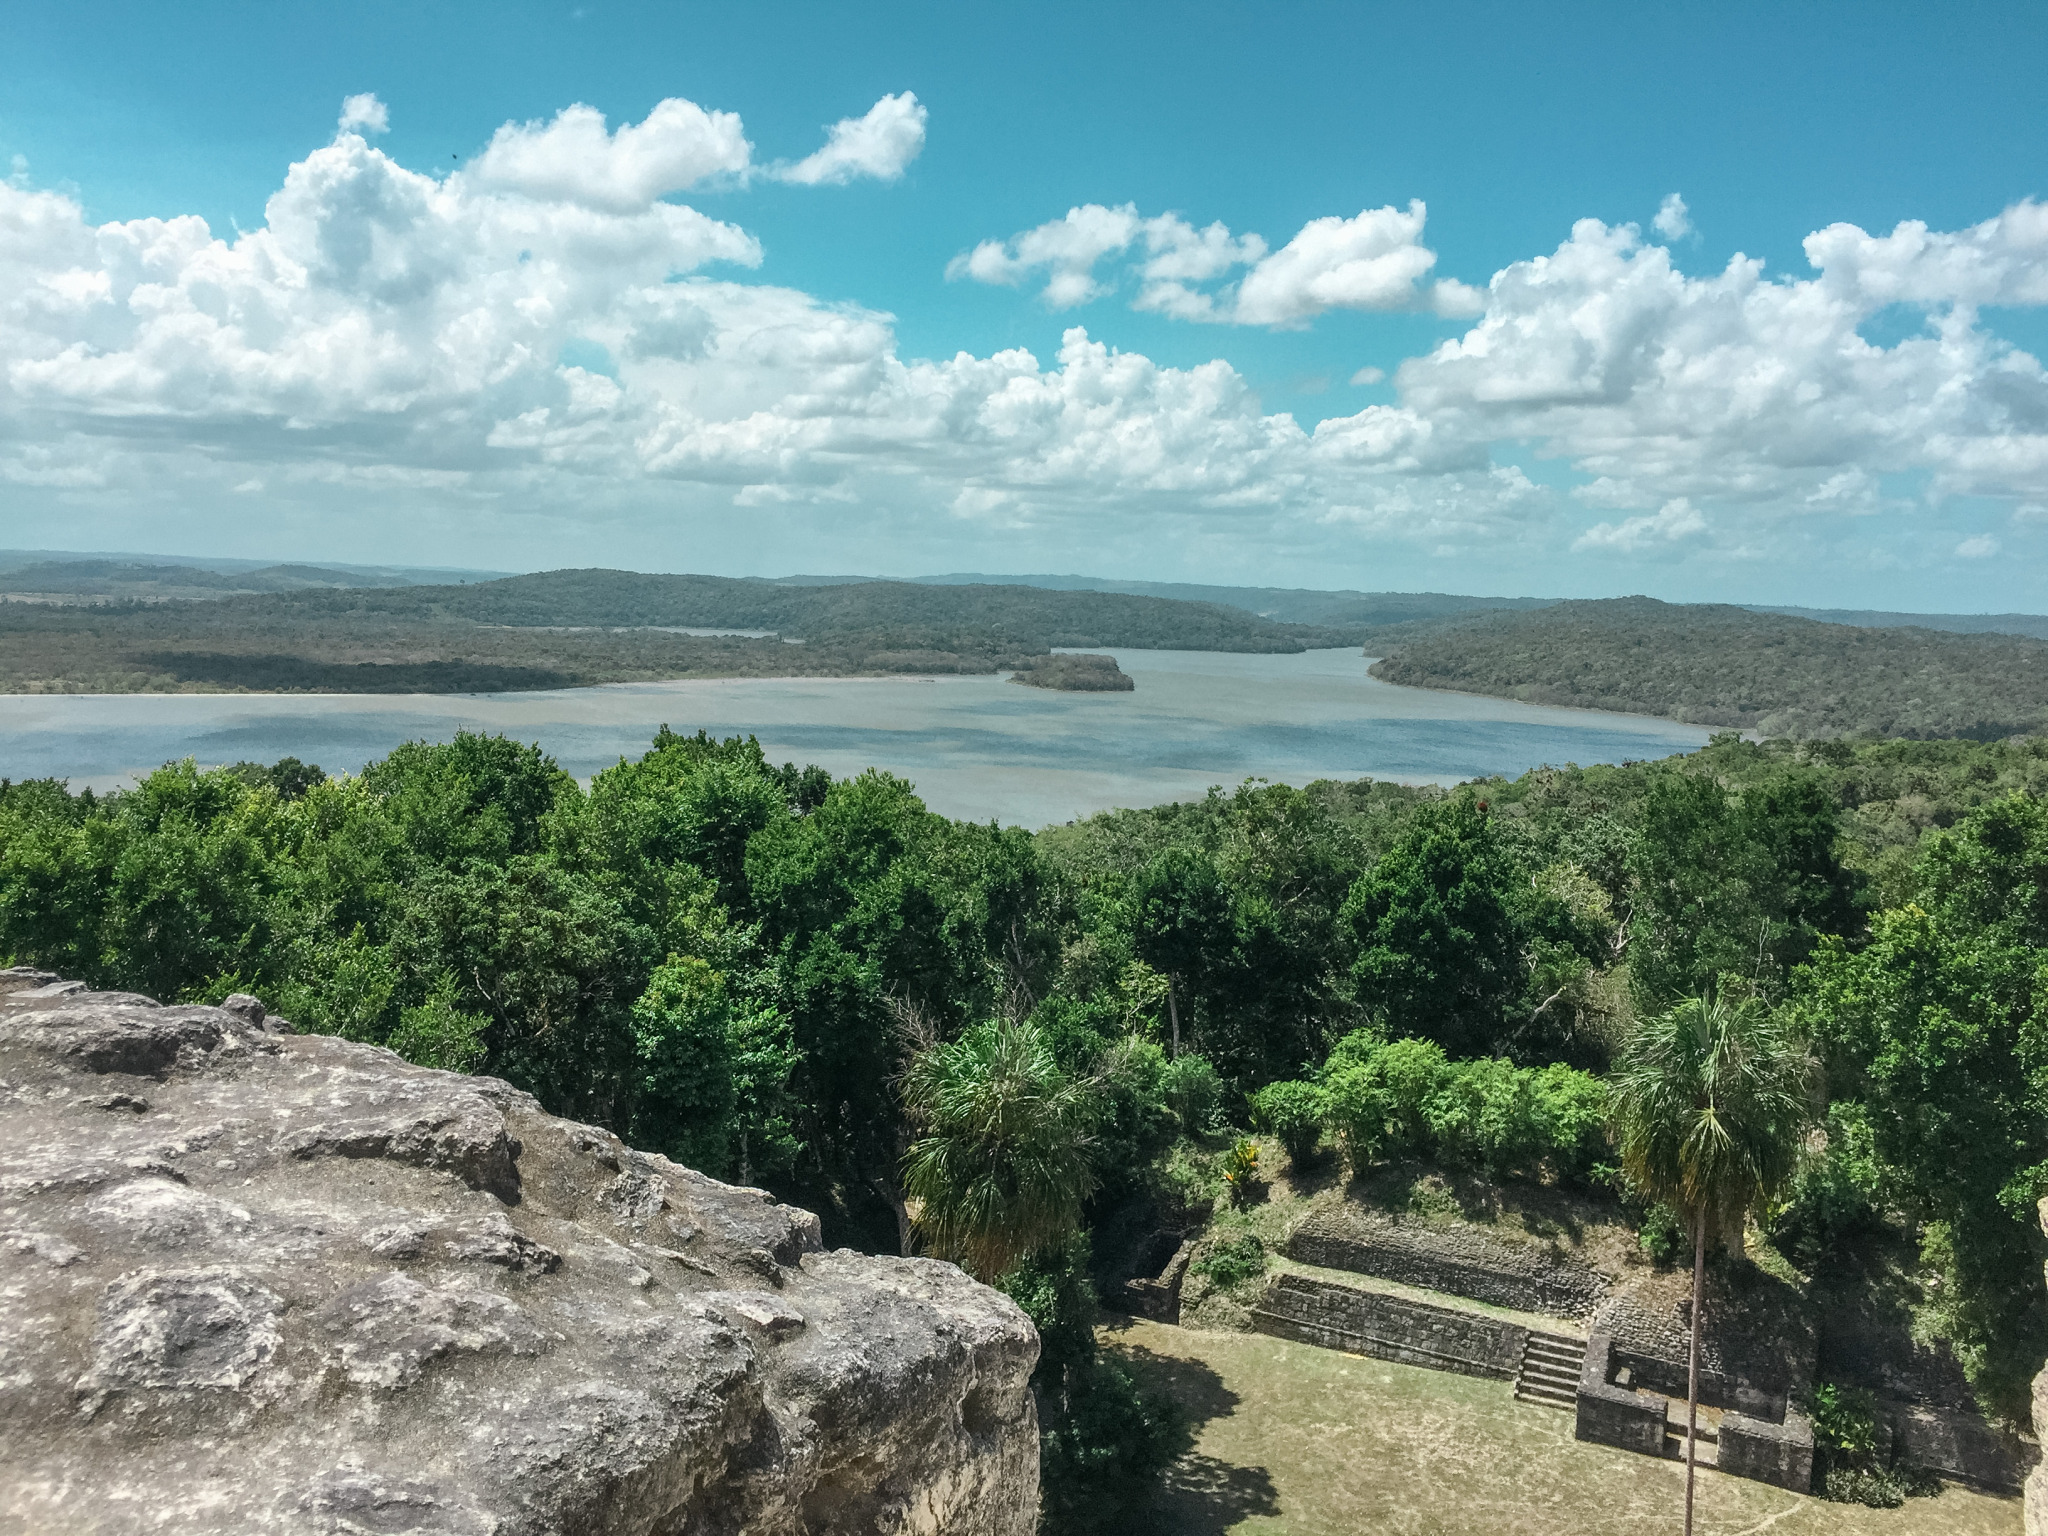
(1624, 417)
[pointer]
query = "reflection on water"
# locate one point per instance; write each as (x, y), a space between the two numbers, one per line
(976, 746)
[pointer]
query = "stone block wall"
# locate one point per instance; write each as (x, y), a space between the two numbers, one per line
(1958, 1443)
(1389, 1327)
(1779, 1454)
(1458, 1259)
(1756, 1354)
(1618, 1416)
(1159, 1298)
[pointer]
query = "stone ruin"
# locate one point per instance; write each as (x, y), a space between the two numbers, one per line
(258, 1281)
(1761, 1353)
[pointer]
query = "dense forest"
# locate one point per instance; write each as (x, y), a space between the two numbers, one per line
(1725, 666)
(564, 629)
(1018, 1050)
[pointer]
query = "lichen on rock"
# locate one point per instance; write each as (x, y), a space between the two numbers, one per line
(269, 1282)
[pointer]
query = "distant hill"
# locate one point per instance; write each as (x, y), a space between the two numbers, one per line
(1034, 616)
(129, 579)
(1728, 666)
(1288, 605)
(560, 629)
(66, 576)
(2034, 624)
(1384, 612)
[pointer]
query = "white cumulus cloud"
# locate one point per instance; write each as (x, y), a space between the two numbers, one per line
(1671, 522)
(364, 114)
(882, 144)
(1674, 220)
(1374, 261)
(1065, 251)
(547, 328)
(1980, 546)
(1749, 390)
(572, 159)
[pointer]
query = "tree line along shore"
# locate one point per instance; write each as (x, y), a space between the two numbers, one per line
(1018, 1049)
(1779, 675)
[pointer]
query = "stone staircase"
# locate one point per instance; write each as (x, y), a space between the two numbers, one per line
(1707, 1453)
(1551, 1365)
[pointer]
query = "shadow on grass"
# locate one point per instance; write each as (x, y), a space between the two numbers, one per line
(1207, 1497)
(1203, 1495)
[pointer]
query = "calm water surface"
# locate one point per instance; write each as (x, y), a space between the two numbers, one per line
(977, 747)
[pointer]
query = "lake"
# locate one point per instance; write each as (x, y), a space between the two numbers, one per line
(979, 747)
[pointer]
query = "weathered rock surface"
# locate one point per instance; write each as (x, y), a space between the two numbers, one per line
(254, 1281)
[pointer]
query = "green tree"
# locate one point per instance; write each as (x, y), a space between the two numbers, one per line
(1692, 920)
(690, 801)
(1711, 1099)
(1938, 1027)
(473, 798)
(1180, 913)
(1434, 922)
(549, 958)
(1734, 885)
(185, 865)
(1003, 1159)
(1294, 1112)
(1105, 1440)
(685, 1095)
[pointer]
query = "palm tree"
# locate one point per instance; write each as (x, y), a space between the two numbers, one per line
(1002, 1161)
(1710, 1101)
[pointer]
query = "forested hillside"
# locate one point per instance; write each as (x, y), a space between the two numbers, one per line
(1719, 665)
(1292, 605)
(813, 984)
(565, 629)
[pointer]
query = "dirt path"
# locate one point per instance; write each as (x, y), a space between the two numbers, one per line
(1308, 1442)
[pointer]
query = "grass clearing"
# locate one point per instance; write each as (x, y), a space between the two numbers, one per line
(1310, 1442)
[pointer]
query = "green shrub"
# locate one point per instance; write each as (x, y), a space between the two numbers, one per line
(1241, 1170)
(1431, 1196)
(1293, 1112)
(1053, 1288)
(1662, 1235)
(1480, 1113)
(1138, 1120)
(1105, 1441)
(1835, 1193)
(1570, 1109)
(1357, 1109)
(1405, 1098)
(1851, 1452)
(1194, 1091)
(1412, 1071)
(1104, 1449)
(1233, 1261)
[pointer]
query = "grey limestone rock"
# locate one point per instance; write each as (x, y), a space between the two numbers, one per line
(257, 1281)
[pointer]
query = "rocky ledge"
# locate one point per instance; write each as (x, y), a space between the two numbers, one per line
(256, 1281)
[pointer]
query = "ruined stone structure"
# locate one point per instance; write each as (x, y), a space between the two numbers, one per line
(1758, 1357)
(266, 1282)
(1457, 1259)
(1620, 1403)
(1385, 1327)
